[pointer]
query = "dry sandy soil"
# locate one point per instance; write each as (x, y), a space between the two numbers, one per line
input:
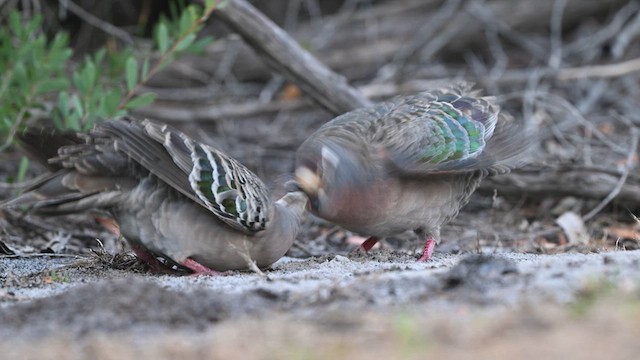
(362, 306)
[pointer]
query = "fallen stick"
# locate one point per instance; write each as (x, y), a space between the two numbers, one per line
(596, 186)
(179, 112)
(600, 71)
(285, 56)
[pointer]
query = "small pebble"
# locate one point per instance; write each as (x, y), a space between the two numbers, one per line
(340, 258)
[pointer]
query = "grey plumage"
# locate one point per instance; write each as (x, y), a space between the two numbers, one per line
(407, 164)
(170, 195)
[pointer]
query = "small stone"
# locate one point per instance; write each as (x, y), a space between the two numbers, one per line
(340, 258)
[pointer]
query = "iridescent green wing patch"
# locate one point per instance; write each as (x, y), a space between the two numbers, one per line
(219, 182)
(457, 137)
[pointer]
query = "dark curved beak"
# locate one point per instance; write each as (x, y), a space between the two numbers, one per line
(292, 186)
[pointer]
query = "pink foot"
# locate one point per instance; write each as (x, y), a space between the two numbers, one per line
(199, 269)
(428, 250)
(367, 244)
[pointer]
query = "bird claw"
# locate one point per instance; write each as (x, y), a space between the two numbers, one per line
(366, 245)
(429, 245)
(155, 266)
(199, 269)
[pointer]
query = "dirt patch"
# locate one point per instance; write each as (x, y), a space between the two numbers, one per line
(315, 304)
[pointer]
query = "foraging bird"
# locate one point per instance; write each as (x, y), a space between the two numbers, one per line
(407, 164)
(172, 197)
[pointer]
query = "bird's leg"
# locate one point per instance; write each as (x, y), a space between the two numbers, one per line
(429, 245)
(199, 269)
(148, 258)
(367, 244)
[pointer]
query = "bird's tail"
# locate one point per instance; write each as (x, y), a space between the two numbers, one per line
(42, 143)
(75, 184)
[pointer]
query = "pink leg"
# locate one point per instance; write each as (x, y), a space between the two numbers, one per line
(428, 249)
(199, 269)
(367, 244)
(153, 262)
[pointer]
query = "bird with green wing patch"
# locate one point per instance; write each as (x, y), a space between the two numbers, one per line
(408, 164)
(180, 204)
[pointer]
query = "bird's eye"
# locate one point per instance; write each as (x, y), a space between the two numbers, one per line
(314, 203)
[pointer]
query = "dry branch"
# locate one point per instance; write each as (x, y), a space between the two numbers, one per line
(370, 38)
(180, 112)
(551, 183)
(601, 71)
(288, 58)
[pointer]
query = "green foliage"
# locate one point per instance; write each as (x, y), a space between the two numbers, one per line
(22, 170)
(33, 67)
(39, 77)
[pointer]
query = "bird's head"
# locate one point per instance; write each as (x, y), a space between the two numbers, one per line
(329, 174)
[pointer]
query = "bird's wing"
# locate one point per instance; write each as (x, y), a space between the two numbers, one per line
(200, 172)
(446, 132)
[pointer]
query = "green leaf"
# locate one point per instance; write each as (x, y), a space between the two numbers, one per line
(186, 20)
(22, 169)
(163, 38)
(210, 4)
(199, 46)
(59, 53)
(111, 102)
(140, 101)
(99, 56)
(57, 120)
(145, 68)
(20, 73)
(131, 68)
(184, 43)
(78, 83)
(88, 76)
(34, 24)
(77, 105)
(173, 9)
(88, 122)
(63, 103)
(72, 122)
(15, 23)
(50, 85)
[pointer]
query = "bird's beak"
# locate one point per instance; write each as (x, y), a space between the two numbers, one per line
(308, 180)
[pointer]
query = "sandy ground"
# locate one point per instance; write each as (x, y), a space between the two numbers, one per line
(378, 305)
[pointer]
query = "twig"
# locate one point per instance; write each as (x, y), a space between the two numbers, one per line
(600, 71)
(286, 56)
(96, 22)
(597, 169)
(246, 109)
(633, 151)
(20, 256)
(552, 101)
(487, 16)
(303, 248)
(14, 129)
(605, 34)
(625, 36)
(555, 60)
(425, 37)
